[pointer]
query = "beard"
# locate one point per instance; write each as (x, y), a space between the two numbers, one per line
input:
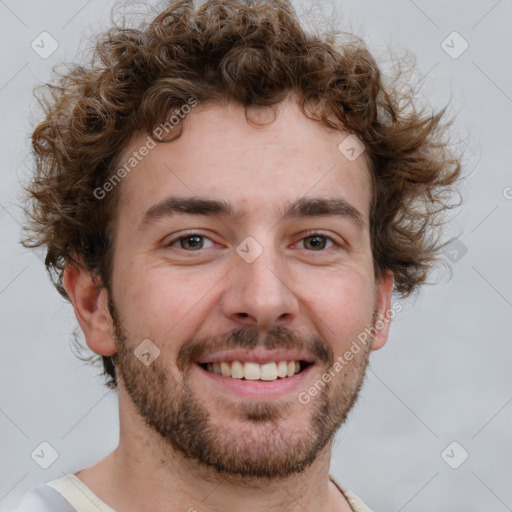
(260, 443)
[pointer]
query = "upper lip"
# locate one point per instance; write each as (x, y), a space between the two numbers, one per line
(257, 355)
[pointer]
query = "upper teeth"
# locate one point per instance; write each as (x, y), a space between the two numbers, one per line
(254, 371)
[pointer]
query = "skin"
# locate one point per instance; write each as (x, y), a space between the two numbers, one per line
(178, 297)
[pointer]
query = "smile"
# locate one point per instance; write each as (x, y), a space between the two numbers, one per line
(251, 370)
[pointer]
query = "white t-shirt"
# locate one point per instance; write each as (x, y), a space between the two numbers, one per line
(70, 494)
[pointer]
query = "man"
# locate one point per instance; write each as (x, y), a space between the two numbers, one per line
(229, 204)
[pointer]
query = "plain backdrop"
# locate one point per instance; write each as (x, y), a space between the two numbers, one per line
(431, 430)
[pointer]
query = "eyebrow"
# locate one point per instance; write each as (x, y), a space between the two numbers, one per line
(302, 207)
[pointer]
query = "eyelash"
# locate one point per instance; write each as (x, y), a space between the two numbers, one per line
(311, 234)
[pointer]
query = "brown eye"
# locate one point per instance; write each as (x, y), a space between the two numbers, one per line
(316, 242)
(191, 242)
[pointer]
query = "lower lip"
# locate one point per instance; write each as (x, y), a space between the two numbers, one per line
(258, 389)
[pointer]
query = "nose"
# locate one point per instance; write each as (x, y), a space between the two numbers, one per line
(260, 294)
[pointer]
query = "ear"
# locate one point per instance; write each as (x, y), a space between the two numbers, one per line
(90, 304)
(384, 290)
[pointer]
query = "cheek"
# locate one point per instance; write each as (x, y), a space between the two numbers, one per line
(343, 305)
(160, 305)
(141, 299)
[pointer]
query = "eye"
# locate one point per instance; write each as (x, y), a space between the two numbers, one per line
(190, 242)
(317, 242)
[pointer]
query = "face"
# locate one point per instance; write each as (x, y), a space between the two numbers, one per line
(243, 255)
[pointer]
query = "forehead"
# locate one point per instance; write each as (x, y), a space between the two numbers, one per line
(220, 155)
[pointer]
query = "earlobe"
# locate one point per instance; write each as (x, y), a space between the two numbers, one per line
(383, 320)
(90, 304)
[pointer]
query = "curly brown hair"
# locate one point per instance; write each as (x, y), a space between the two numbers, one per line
(255, 54)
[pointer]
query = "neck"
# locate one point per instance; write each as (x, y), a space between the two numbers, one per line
(145, 473)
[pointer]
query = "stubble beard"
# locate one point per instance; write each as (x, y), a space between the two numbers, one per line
(261, 444)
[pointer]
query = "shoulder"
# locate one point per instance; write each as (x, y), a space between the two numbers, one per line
(43, 498)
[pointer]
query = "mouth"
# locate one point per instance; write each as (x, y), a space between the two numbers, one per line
(255, 374)
(252, 381)
(253, 371)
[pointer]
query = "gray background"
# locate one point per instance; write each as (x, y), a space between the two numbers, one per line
(444, 375)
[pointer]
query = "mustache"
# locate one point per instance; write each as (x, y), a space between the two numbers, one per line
(279, 337)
